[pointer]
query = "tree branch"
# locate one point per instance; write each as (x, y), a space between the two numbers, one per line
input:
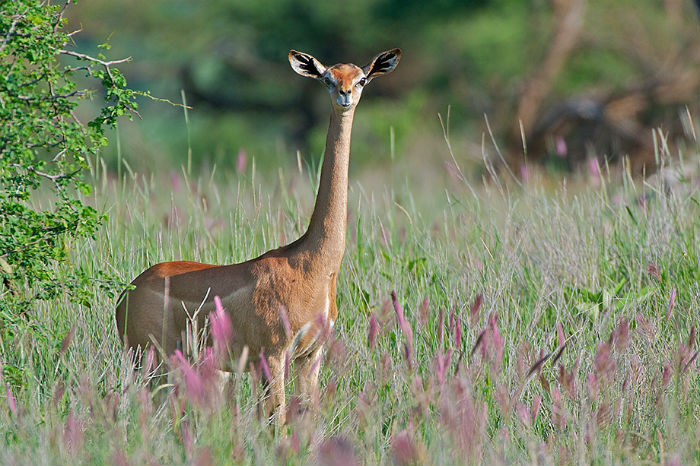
(93, 59)
(11, 30)
(104, 63)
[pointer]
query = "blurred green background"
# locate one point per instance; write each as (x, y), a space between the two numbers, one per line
(586, 78)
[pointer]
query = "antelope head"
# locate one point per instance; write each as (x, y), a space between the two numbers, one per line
(344, 81)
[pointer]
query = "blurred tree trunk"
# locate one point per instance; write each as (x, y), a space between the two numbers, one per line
(569, 17)
(605, 122)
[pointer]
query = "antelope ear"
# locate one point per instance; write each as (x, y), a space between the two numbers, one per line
(383, 63)
(306, 65)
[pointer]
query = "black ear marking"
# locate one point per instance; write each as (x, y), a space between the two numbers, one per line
(383, 63)
(307, 64)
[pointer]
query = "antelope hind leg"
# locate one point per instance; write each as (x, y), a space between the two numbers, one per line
(308, 368)
(272, 397)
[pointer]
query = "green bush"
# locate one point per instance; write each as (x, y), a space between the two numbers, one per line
(45, 148)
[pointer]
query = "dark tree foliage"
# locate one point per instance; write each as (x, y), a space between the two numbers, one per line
(541, 61)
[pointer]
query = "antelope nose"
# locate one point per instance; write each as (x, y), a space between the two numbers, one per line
(344, 98)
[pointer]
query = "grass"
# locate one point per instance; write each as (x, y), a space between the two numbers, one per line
(529, 326)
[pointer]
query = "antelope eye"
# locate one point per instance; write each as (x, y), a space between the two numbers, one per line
(362, 81)
(327, 81)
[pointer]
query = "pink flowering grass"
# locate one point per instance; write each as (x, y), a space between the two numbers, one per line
(221, 329)
(524, 328)
(241, 161)
(194, 385)
(372, 332)
(671, 304)
(11, 403)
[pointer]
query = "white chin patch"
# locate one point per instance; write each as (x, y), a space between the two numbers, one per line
(344, 102)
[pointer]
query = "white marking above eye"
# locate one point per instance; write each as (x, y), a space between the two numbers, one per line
(329, 80)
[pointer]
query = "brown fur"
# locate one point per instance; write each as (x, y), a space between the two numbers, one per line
(300, 277)
(345, 75)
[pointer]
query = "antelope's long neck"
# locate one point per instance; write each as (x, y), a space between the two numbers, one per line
(325, 237)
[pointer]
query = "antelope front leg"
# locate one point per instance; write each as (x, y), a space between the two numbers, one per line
(307, 368)
(272, 399)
